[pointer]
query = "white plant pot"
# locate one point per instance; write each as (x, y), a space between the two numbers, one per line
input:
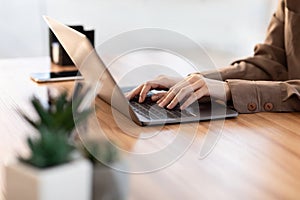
(69, 181)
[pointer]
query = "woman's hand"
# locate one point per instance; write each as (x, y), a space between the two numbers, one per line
(160, 82)
(192, 88)
(184, 91)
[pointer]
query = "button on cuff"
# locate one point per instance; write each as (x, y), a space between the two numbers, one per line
(252, 106)
(268, 107)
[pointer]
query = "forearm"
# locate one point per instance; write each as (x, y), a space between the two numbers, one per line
(241, 70)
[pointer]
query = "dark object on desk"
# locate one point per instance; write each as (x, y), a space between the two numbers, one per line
(58, 54)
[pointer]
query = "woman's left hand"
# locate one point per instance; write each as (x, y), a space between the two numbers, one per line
(192, 88)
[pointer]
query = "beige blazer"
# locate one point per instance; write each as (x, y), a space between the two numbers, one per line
(269, 80)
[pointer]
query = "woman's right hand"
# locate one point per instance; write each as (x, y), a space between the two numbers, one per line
(160, 82)
(182, 90)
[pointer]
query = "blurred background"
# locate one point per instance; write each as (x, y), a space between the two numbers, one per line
(228, 29)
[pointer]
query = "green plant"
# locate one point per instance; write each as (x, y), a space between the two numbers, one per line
(50, 149)
(54, 125)
(58, 116)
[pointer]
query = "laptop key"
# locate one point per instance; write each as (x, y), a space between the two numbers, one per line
(151, 110)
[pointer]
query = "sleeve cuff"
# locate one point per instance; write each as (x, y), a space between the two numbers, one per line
(255, 96)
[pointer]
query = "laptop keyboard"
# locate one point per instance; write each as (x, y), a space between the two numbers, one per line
(151, 110)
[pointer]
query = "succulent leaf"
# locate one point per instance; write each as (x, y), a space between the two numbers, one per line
(54, 125)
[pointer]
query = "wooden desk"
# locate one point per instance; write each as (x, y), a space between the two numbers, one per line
(257, 156)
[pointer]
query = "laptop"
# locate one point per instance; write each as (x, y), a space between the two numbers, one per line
(93, 69)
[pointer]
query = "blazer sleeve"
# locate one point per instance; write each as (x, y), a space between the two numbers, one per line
(259, 83)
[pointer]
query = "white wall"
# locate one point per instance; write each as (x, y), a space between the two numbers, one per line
(232, 26)
(21, 28)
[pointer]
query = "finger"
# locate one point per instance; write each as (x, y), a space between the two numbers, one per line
(134, 92)
(145, 89)
(172, 94)
(185, 92)
(188, 81)
(184, 83)
(193, 81)
(158, 96)
(167, 98)
(195, 96)
(162, 97)
(180, 96)
(173, 91)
